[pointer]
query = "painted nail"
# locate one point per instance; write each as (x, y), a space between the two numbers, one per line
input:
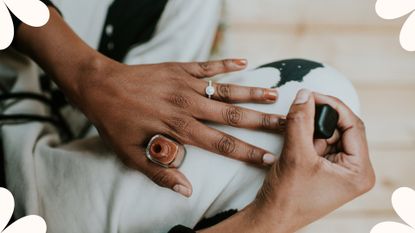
(302, 96)
(269, 159)
(183, 190)
(240, 62)
(270, 94)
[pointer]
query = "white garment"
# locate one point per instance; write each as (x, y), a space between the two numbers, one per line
(185, 31)
(82, 187)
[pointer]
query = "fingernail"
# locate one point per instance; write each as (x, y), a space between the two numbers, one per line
(183, 190)
(240, 62)
(269, 158)
(270, 94)
(302, 96)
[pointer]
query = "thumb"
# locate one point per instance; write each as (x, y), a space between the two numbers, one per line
(170, 178)
(300, 120)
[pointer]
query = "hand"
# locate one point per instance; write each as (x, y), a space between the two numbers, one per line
(130, 104)
(313, 178)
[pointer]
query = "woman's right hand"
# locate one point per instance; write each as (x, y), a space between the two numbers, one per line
(314, 177)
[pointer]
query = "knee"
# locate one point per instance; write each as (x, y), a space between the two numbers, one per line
(318, 77)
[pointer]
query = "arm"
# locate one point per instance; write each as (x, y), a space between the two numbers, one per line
(311, 178)
(130, 104)
(60, 52)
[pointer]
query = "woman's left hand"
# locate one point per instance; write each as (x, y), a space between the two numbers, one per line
(131, 104)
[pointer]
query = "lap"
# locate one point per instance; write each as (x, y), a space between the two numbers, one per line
(84, 187)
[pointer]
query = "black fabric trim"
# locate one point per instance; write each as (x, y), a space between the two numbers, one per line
(181, 229)
(204, 223)
(208, 222)
(133, 22)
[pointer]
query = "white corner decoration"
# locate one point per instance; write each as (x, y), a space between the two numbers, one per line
(31, 12)
(28, 224)
(393, 9)
(403, 201)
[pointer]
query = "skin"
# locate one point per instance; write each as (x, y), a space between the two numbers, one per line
(130, 104)
(312, 177)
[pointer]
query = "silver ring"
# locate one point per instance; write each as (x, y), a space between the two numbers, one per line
(210, 89)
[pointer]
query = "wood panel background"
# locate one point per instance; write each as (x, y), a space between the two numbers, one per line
(348, 35)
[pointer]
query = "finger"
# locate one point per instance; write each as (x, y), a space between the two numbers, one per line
(165, 177)
(351, 127)
(300, 122)
(235, 116)
(212, 68)
(231, 93)
(325, 146)
(198, 134)
(346, 116)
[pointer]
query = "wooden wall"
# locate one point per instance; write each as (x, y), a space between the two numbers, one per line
(350, 36)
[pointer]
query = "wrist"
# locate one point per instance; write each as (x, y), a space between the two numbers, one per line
(273, 218)
(75, 79)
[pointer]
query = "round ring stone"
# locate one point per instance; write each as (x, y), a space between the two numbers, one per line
(210, 90)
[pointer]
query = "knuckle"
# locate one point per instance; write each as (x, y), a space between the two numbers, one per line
(180, 128)
(337, 100)
(162, 178)
(363, 179)
(256, 93)
(204, 66)
(232, 115)
(224, 92)
(360, 124)
(266, 121)
(226, 145)
(255, 154)
(296, 117)
(180, 101)
(365, 185)
(270, 121)
(226, 63)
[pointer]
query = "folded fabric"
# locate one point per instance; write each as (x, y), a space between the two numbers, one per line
(83, 187)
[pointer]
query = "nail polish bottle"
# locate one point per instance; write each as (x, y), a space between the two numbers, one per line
(165, 152)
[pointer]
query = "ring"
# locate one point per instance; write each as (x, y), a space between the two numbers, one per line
(210, 89)
(165, 152)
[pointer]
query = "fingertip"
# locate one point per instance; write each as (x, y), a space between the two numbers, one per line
(238, 64)
(270, 95)
(183, 190)
(303, 96)
(241, 61)
(269, 159)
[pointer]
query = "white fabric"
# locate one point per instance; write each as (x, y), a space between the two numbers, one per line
(191, 25)
(83, 187)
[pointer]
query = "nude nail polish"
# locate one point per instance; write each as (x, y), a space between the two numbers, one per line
(302, 96)
(270, 94)
(165, 152)
(269, 159)
(240, 62)
(183, 190)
